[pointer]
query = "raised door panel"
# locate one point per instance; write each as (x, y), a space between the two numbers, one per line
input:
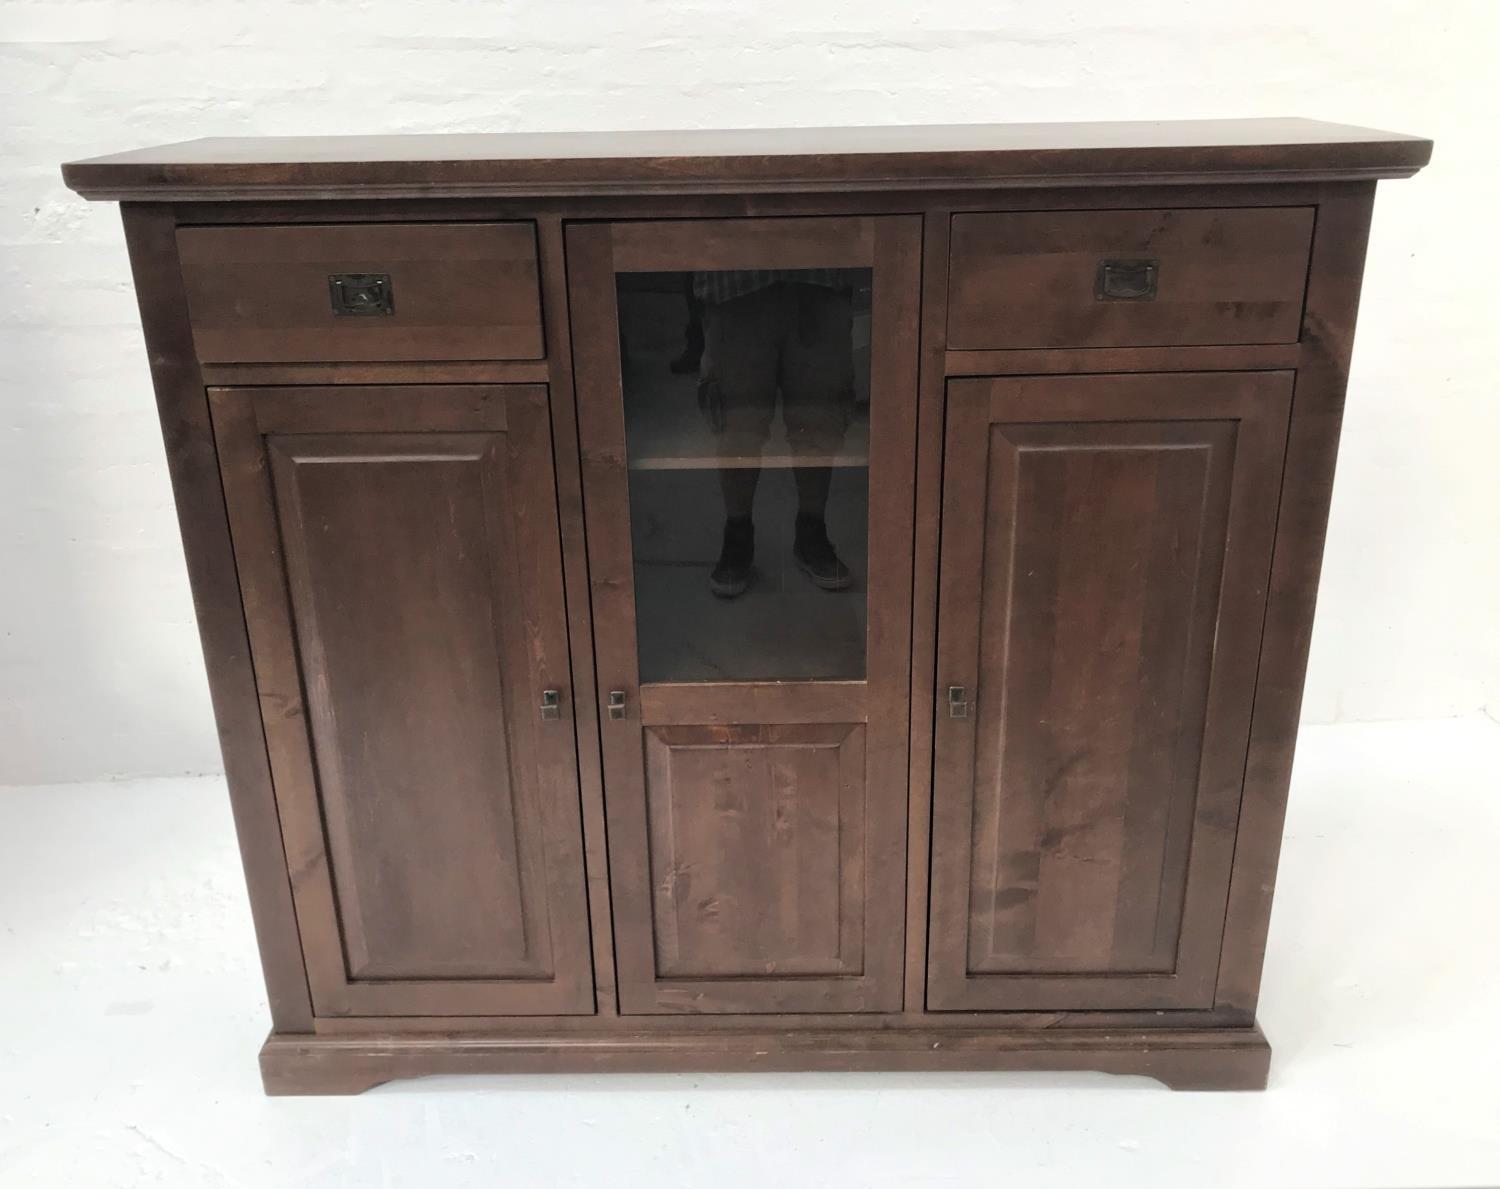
(399, 557)
(754, 767)
(1106, 547)
(755, 836)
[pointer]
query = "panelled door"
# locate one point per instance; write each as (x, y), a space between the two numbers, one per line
(1106, 545)
(399, 557)
(747, 406)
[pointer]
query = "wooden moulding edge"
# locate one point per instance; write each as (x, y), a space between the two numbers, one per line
(123, 183)
(1184, 1059)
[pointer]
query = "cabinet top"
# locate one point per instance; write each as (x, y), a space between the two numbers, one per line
(955, 156)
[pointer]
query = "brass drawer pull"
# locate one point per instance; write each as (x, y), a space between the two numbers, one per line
(1126, 280)
(361, 294)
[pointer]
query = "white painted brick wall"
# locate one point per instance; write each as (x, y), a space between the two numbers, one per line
(100, 673)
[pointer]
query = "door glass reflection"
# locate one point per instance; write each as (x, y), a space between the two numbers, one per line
(747, 430)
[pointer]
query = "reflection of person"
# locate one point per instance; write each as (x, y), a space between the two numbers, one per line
(766, 332)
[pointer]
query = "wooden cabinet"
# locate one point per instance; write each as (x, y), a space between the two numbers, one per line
(833, 599)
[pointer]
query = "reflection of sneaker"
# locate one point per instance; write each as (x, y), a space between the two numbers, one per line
(732, 575)
(814, 553)
(687, 363)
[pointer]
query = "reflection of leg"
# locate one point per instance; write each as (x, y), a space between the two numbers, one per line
(817, 385)
(731, 575)
(812, 490)
(817, 369)
(736, 565)
(741, 368)
(738, 485)
(812, 548)
(816, 556)
(692, 334)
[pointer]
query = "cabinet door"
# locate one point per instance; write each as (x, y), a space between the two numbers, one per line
(399, 560)
(1106, 546)
(755, 756)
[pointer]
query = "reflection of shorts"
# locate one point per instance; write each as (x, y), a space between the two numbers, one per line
(788, 337)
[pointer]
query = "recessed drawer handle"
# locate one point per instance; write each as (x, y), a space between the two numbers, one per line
(361, 294)
(1126, 280)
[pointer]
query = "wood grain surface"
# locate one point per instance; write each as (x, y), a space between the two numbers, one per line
(461, 291)
(752, 160)
(1102, 585)
(398, 553)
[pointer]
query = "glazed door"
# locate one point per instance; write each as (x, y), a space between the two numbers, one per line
(747, 392)
(399, 559)
(1106, 545)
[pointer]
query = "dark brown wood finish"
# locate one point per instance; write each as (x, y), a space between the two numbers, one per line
(1021, 280)
(182, 405)
(1132, 194)
(564, 409)
(1103, 578)
(732, 244)
(1307, 487)
(802, 780)
(1095, 1021)
(749, 161)
(927, 501)
(1184, 1059)
(398, 554)
(1078, 877)
(1122, 359)
(771, 864)
(253, 375)
(458, 291)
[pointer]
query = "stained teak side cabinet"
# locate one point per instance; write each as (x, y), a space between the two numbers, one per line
(827, 599)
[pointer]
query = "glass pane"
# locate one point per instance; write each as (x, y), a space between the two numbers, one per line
(747, 440)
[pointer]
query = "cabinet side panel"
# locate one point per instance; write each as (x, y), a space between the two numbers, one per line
(1338, 257)
(150, 235)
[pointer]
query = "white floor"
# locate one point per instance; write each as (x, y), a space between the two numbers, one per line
(131, 1013)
